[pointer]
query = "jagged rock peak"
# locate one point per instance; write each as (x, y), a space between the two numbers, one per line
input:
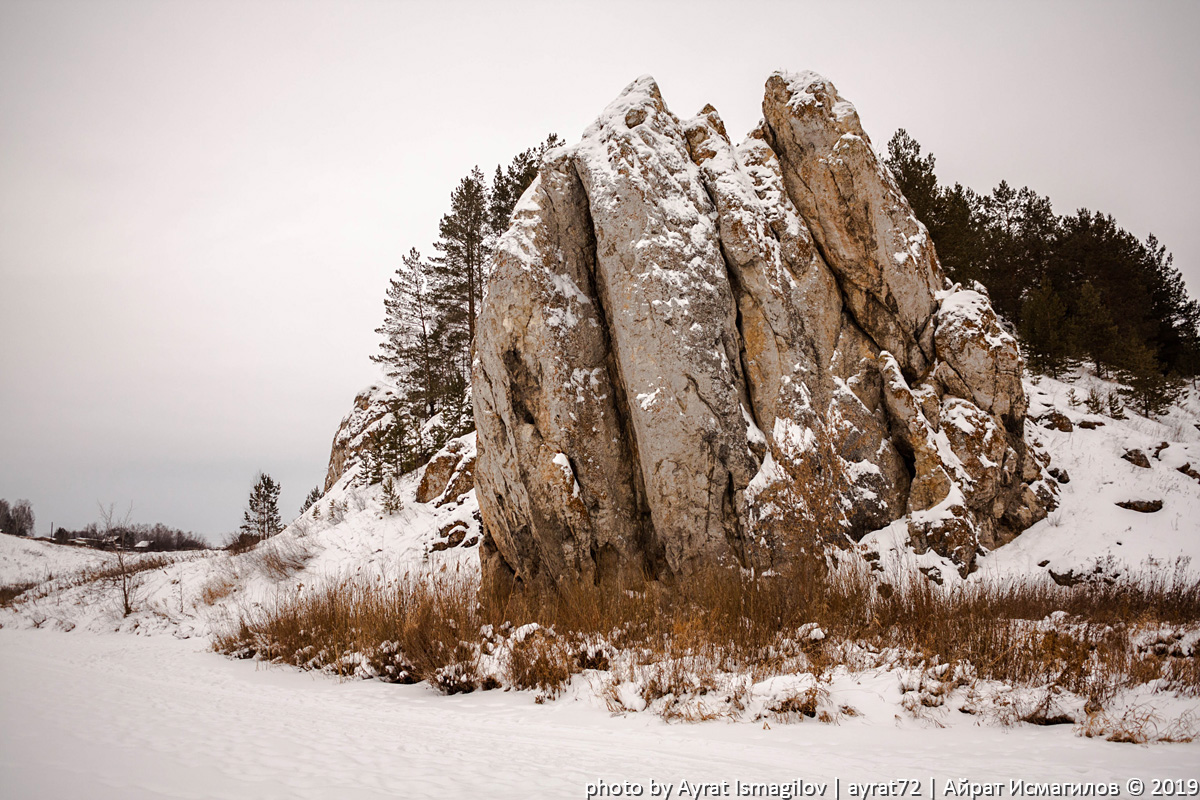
(693, 352)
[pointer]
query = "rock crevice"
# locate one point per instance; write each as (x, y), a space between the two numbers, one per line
(696, 353)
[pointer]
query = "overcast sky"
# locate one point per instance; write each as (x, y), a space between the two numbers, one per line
(201, 203)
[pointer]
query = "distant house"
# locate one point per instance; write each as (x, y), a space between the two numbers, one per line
(144, 546)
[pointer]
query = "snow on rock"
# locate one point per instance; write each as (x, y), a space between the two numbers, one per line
(450, 473)
(979, 356)
(370, 413)
(718, 294)
(1088, 536)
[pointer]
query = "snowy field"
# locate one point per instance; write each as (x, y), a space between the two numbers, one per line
(101, 716)
(24, 560)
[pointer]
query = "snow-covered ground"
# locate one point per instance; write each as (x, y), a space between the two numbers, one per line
(36, 560)
(130, 717)
(1089, 526)
(204, 590)
(1088, 529)
(87, 713)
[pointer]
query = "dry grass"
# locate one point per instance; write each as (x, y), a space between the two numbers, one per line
(217, 588)
(279, 557)
(404, 631)
(693, 649)
(133, 565)
(1140, 724)
(11, 591)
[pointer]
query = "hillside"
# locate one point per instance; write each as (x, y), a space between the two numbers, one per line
(192, 594)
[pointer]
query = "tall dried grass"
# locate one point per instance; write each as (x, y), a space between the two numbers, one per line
(676, 639)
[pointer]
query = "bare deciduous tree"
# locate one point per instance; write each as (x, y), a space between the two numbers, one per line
(124, 578)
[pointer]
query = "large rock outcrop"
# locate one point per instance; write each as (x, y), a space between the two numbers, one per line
(693, 352)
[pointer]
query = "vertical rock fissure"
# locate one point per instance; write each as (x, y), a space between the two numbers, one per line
(747, 388)
(654, 561)
(847, 307)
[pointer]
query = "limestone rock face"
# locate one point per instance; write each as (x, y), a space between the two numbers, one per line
(698, 353)
(978, 357)
(880, 253)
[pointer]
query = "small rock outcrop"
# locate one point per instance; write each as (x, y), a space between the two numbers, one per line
(1056, 420)
(695, 352)
(371, 407)
(450, 473)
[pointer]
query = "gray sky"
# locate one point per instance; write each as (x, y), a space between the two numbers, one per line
(201, 203)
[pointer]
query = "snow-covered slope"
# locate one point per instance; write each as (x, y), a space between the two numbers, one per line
(345, 534)
(1089, 526)
(1088, 533)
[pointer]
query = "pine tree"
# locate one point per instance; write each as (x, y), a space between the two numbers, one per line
(1177, 338)
(409, 352)
(1149, 390)
(509, 184)
(1011, 241)
(391, 499)
(261, 519)
(1042, 329)
(957, 232)
(371, 461)
(431, 309)
(312, 497)
(458, 272)
(1094, 333)
(394, 445)
(914, 174)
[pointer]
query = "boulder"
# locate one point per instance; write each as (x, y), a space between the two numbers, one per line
(1137, 458)
(1056, 420)
(1142, 506)
(977, 356)
(450, 473)
(696, 353)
